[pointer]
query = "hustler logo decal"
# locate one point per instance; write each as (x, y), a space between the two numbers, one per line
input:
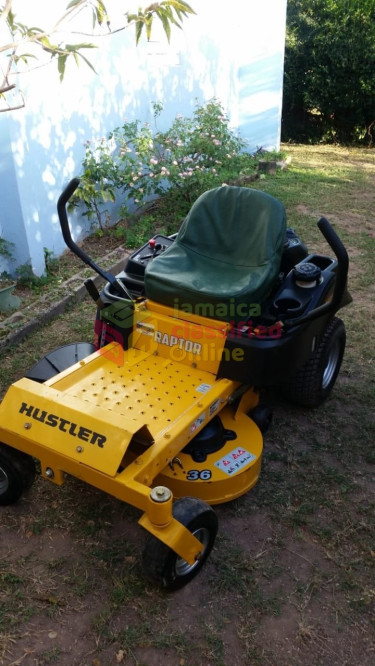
(68, 427)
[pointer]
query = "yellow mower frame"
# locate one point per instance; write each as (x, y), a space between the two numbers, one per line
(120, 419)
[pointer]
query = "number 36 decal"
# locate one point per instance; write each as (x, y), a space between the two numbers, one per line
(196, 475)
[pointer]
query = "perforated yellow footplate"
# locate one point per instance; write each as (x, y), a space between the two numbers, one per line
(120, 420)
(145, 389)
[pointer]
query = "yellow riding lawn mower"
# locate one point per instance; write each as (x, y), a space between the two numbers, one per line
(163, 410)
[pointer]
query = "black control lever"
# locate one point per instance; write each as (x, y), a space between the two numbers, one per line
(94, 293)
(64, 197)
(333, 305)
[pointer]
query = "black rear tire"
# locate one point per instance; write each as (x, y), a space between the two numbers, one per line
(315, 381)
(17, 474)
(162, 564)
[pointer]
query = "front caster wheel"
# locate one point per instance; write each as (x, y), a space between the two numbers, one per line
(262, 417)
(162, 564)
(17, 473)
(315, 381)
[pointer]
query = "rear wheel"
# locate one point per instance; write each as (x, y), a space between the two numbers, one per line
(315, 381)
(162, 564)
(17, 473)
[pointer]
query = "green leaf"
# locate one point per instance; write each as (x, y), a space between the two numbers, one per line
(108, 195)
(11, 20)
(148, 27)
(180, 5)
(166, 25)
(164, 11)
(73, 3)
(77, 47)
(34, 30)
(61, 63)
(138, 30)
(88, 63)
(24, 57)
(45, 41)
(102, 14)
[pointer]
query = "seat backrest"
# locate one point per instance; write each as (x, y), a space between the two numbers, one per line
(237, 226)
(227, 253)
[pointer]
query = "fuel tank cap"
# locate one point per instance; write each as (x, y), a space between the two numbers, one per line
(307, 274)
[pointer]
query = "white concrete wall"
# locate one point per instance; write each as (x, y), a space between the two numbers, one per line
(231, 50)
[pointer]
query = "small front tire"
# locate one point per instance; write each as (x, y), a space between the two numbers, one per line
(262, 417)
(17, 474)
(162, 564)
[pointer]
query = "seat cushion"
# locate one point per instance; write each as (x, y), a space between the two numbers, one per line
(226, 255)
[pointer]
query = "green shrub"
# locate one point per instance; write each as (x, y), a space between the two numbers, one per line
(141, 231)
(138, 164)
(329, 83)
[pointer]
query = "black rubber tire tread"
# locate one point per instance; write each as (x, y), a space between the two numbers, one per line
(306, 388)
(262, 417)
(19, 467)
(158, 560)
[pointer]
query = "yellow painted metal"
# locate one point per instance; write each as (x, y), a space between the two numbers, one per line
(160, 513)
(208, 481)
(65, 424)
(118, 419)
(175, 536)
(158, 330)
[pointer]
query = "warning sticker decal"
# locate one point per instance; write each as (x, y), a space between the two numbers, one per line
(215, 406)
(198, 422)
(203, 388)
(234, 461)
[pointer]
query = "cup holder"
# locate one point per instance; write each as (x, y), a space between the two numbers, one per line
(288, 306)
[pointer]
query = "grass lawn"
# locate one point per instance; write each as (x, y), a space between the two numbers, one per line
(291, 579)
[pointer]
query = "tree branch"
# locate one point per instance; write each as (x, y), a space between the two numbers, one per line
(6, 89)
(23, 35)
(102, 34)
(16, 107)
(35, 39)
(13, 108)
(5, 12)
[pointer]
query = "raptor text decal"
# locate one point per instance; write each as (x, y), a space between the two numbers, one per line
(180, 343)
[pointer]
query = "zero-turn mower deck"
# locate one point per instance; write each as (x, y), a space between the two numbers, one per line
(137, 410)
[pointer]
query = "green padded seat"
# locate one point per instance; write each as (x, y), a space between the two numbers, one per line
(226, 255)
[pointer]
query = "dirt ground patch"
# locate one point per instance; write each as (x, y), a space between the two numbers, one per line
(277, 589)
